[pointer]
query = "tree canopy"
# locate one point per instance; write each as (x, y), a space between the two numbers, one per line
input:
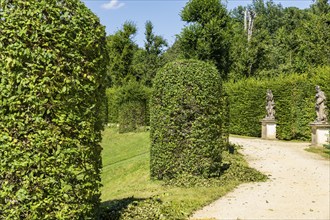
(280, 40)
(207, 35)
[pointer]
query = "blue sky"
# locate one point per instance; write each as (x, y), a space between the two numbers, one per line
(164, 14)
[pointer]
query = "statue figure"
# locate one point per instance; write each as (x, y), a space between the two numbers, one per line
(320, 107)
(270, 105)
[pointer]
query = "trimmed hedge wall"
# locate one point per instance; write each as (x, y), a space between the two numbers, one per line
(51, 91)
(187, 121)
(112, 103)
(294, 99)
(129, 106)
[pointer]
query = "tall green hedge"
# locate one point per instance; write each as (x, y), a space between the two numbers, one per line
(132, 106)
(52, 67)
(187, 121)
(112, 103)
(128, 106)
(294, 99)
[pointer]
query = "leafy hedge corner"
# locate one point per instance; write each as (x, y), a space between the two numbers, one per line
(53, 65)
(187, 122)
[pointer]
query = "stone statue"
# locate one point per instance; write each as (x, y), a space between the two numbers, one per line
(270, 105)
(320, 107)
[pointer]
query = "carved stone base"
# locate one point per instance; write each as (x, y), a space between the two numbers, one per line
(320, 133)
(268, 129)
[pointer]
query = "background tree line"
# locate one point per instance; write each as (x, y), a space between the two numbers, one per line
(282, 41)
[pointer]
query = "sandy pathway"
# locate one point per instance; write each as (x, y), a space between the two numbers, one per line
(298, 185)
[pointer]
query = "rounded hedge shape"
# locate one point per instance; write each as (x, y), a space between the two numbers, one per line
(186, 121)
(52, 67)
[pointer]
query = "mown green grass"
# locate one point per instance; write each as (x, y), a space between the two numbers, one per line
(126, 178)
(322, 151)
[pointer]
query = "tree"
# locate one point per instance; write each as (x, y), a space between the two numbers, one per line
(241, 55)
(283, 41)
(121, 49)
(313, 42)
(53, 67)
(173, 53)
(261, 54)
(320, 7)
(148, 60)
(154, 44)
(207, 36)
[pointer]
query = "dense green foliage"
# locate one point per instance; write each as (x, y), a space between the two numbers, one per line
(284, 40)
(121, 49)
(148, 60)
(207, 35)
(127, 60)
(294, 100)
(128, 106)
(132, 101)
(112, 105)
(131, 71)
(186, 121)
(128, 192)
(53, 65)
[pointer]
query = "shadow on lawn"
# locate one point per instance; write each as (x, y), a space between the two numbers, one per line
(113, 209)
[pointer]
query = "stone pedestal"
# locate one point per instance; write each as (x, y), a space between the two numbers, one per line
(268, 129)
(320, 133)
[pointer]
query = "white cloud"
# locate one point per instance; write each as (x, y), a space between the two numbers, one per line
(113, 4)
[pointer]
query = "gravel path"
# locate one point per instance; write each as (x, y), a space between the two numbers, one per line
(298, 185)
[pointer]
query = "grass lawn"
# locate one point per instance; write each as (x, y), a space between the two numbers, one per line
(323, 151)
(126, 182)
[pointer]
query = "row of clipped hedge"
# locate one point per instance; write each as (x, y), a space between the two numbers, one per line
(128, 106)
(294, 99)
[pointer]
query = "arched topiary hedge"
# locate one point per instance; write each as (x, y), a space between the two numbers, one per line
(187, 121)
(52, 63)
